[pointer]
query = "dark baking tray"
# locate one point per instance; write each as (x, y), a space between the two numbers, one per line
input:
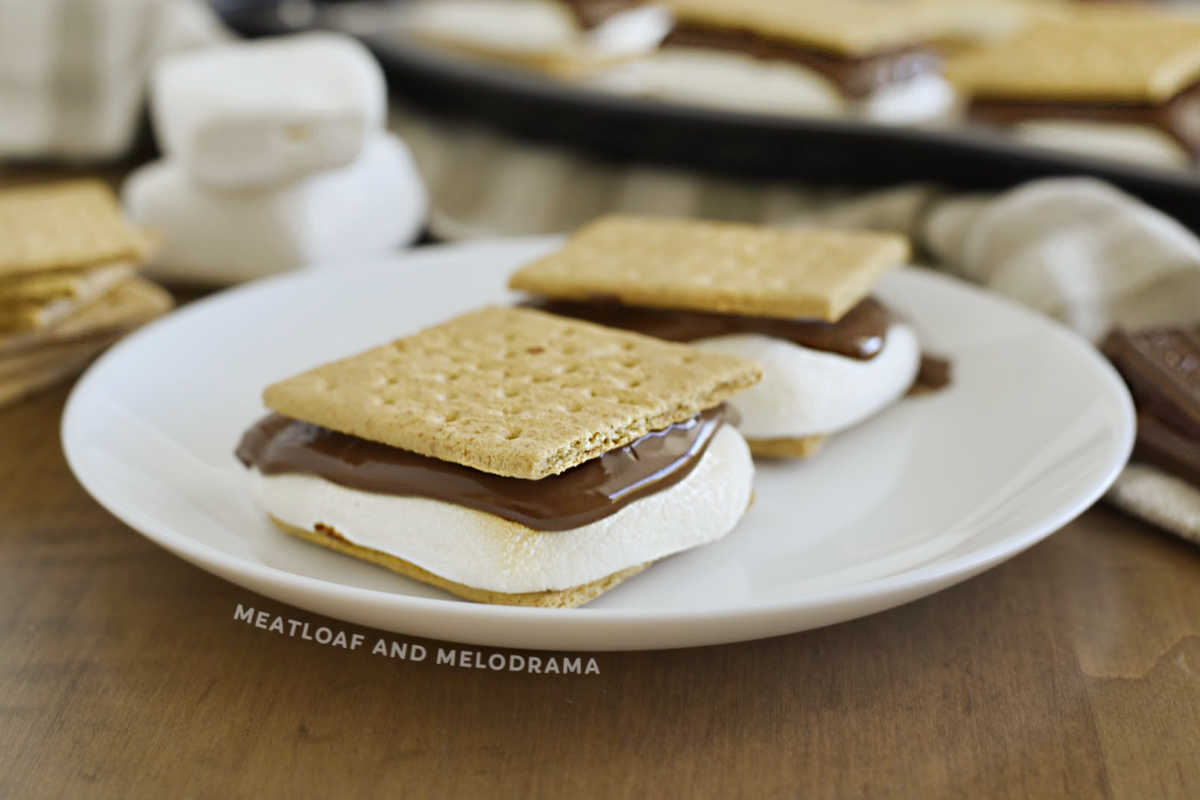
(749, 145)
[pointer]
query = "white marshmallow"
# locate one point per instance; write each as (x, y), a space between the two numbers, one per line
(723, 80)
(636, 31)
(487, 552)
(920, 100)
(259, 113)
(1138, 144)
(742, 82)
(807, 392)
(375, 204)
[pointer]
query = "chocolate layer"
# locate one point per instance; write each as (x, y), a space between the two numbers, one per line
(854, 76)
(859, 334)
(1179, 117)
(1162, 368)
(593, 490)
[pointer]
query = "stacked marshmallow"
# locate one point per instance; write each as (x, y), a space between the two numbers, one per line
(275, 158)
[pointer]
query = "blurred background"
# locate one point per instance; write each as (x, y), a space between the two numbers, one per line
(742, 109)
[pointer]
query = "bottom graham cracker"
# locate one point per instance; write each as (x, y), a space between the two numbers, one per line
(564, 598)
(797, 447)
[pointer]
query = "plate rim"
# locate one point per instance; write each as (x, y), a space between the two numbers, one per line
(939, 573)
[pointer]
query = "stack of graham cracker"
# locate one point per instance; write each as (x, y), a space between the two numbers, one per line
(68, 282)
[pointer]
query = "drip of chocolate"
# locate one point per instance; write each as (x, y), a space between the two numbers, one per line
(1178, 117)
(933, 374)
(1162, 368)
(590, 491)
(855, 76)
(859, 334)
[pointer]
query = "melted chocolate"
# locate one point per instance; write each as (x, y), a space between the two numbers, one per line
(932, 375)
(859, 334)
(854, 76)
(1178, 117)
(593, 490)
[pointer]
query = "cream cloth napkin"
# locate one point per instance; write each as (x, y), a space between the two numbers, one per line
(1074, 248)
(73, 73)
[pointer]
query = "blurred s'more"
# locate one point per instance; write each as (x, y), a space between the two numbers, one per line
(859, 59)
(1119, 83)
(68, 282)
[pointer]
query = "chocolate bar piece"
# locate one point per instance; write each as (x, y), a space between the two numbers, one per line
(1164, 448)
(1162, 368)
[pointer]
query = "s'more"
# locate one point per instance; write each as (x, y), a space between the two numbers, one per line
(852, 58)
(1119, 84)
(508, 455)
(798, 302)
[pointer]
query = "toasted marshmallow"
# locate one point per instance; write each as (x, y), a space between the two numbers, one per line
(484, 551)
(807, 392)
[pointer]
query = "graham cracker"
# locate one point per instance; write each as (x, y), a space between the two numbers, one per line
(565, 598)
(64, 225)
(562, 63)
(795, 447)
(126, 306)
(35, 316)
(1102, 59)
(29, 382)
(720, 267)
(43, 358)
(513, 391)
(42, 287)
(846, 27)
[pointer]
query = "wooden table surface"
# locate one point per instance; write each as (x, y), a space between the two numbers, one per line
(1072, 670)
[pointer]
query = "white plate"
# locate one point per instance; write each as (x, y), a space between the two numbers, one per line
(929, 493)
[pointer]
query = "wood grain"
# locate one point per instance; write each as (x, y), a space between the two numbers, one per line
(1072, 670)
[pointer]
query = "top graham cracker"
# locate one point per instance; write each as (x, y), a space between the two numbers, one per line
(513, 392)
(1122, 59)
(851, 28)
(716, 267)
(64, 226)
